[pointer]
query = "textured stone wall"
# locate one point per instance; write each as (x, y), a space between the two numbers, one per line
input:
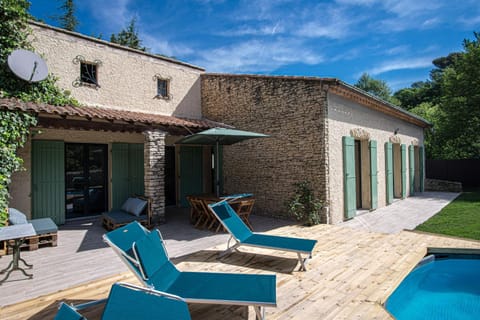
(292, 112)
(126, 77)
(154, 157)
(442, 185)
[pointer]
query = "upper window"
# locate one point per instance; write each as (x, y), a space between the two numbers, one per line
(163, 88)
(88, 73)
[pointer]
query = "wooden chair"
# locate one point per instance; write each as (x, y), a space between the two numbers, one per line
(244, 208)
(203, 217)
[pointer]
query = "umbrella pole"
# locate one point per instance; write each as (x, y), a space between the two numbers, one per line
(217, 171)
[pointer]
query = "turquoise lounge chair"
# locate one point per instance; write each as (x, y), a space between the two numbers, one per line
(148, 259)
(244, 237)
(127, 301)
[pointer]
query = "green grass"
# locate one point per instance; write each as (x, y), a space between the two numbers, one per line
(461, 218)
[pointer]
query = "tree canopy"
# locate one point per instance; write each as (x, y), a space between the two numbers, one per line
(129, 37)
(450, 99)
(376, 87)
(68, 20)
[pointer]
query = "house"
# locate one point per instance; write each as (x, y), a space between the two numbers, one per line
(357, 151)
(85, 160)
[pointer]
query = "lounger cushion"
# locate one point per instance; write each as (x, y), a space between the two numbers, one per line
(66, 312)
(16, 217)
(134, 206)
(43, 226)
(123, 217)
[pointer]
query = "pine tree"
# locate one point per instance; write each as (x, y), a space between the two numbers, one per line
(68, 20)
(128, 37)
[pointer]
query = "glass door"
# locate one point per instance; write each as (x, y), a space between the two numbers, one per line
(85, 179)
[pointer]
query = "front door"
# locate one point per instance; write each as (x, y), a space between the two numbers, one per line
(85, 179)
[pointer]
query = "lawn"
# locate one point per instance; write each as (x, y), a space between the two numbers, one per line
(461, 218)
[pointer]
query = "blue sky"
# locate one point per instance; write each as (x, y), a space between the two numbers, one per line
(392, 40)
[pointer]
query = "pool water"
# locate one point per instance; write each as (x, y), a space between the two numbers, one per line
(447, 287)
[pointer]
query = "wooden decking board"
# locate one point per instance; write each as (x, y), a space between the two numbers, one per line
(350, 275)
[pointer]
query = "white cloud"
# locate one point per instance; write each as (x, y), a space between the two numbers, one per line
(246, 30)
(333, 24)
(401, 64)
(157, 45)
(113, 15)
(256, 56)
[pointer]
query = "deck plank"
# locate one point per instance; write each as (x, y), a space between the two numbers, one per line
(351, 274)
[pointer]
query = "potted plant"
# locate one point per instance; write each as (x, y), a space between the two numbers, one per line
(304, 206)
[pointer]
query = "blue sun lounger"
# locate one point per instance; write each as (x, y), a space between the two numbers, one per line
(127, 301)
(244, 237)
(144, 252)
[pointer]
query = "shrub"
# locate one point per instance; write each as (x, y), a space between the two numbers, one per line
(304, 206)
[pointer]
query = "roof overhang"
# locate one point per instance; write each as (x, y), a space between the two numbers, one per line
(106, 119)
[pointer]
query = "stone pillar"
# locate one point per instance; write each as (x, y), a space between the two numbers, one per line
(154, 157)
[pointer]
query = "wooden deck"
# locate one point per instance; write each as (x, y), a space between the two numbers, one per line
(350, 276)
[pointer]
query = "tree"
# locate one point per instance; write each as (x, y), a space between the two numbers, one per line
(68, 20)
(376, 87)
(128, 37)
(459, 128)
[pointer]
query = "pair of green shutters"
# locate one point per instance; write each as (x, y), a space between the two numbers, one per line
(48, 176)
(350, 178)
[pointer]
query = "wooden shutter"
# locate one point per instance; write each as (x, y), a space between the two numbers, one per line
(403, 153)
(411, 168)
(48, 180)
(373, 174)
(421, 156)
(389, 172)
(350, 203)
(127, 172)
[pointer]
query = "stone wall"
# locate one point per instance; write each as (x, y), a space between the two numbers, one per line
(154, 157)
(442, 185)
(292, 112)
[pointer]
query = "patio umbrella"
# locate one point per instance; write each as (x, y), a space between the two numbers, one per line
(216, 137)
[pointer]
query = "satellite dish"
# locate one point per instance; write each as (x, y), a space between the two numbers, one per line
(27, 65)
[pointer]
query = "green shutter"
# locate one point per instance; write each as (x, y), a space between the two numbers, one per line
(411, 168)
(127, 172)
(191, 172)
(136, 169)
(389, 171)
(350, 203)
(373, 174)
(403, 152)
(421, 156)
(48, 180)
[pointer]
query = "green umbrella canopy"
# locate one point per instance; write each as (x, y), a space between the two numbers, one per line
(222, 136)
(216, 137)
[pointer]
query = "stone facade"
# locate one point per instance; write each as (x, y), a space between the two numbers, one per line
(127, 77)
(293, 113)
(306, 119)
(154, 150)
(344, 118)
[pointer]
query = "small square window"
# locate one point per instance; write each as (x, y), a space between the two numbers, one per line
(163, 88)
(88, 73)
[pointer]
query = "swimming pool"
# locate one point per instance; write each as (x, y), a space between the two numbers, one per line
(442, 286)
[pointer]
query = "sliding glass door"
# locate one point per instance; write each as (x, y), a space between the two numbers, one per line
(85, 179)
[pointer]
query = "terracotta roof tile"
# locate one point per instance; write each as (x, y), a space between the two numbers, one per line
(108, 114)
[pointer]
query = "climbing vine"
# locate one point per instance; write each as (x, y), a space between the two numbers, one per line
(15, 125)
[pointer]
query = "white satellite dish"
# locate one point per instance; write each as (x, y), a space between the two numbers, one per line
(27, 65)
